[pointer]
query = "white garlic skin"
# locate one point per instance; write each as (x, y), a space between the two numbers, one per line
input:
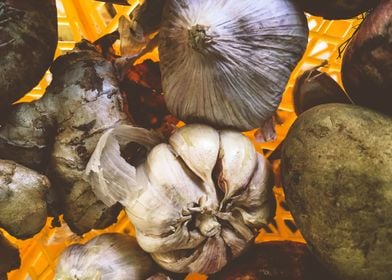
(233, 71)
(106, 257)
(190, 217)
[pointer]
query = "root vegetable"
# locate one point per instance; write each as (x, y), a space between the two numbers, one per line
(314, 88)
(336, 171)
(23, 195)
(28, 39)
(337, 9)
(59, 132)
(367, 62)
(9, 257)
(120, 2)
(275, 261)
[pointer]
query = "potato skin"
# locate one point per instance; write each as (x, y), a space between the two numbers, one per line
(28, 40)
(23, 194)
(336, 171)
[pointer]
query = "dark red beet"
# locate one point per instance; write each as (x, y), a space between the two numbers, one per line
(367, 62)
(337, 9)
(28, 39)
(275, 261)
(314, 88)
(120, 2)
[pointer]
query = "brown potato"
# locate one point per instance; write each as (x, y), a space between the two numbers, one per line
(336, 171)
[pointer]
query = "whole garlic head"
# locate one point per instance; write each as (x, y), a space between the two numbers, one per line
(106, 257)
(196, 202)
(227, 62)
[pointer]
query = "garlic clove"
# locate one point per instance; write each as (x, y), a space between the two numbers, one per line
(238, 224)
(151, 209)
(198, 146)
(213, 256)
(158, 214)
(238, 160)
(172, 176)
(176, 236)
(209, 257)
(111, 177)
(257, 203)
(235, 242)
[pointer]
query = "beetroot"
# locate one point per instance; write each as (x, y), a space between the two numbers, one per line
(367, 62)
(314, 88)
(275, 261)
(28, 39)
(142, 86)
(337, 9)
(9, 257)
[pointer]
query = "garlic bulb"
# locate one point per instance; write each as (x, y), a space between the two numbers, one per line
(196, 202)
(111, 256)
(227, 62)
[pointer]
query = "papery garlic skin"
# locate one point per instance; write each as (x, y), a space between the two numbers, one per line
(227, 62)
(111, 256)
(189, 217)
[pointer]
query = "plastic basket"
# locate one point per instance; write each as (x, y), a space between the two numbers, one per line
(90, 19)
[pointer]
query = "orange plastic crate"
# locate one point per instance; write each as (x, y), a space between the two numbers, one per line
(88, 19)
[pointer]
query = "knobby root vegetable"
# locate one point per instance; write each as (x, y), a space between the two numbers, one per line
(367, 62)
(337, 9)
(336, 171)
(106, 257)
(196, 202)
(9, 257)
(28, 39)
(23, 195)
(314, 88)
(58, 133)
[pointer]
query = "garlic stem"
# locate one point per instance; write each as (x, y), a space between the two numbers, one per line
(198, 37)
(208, 225)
